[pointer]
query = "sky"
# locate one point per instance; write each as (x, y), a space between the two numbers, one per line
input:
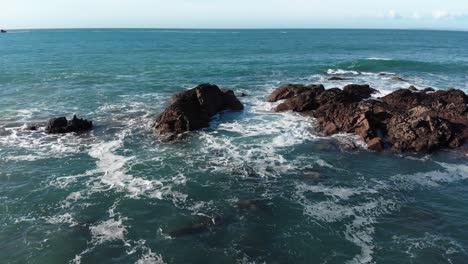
(426, 14)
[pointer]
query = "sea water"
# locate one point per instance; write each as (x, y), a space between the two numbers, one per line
(114, 194)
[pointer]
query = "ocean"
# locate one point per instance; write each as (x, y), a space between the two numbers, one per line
(285, 193)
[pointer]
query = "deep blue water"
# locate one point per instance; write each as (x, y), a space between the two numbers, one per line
(114, 194)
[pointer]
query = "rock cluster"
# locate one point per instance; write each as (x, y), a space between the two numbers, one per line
(405, 120)
(194, 108)
(61, 125)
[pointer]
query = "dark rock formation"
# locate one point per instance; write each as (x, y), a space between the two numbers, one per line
(62, 125)
(3, 31)
(193, 109)
(406, 120)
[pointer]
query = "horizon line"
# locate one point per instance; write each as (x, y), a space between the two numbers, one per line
(242, 28)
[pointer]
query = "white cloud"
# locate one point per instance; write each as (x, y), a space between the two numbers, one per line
(417, 15)
(440, 14)
(393, 14)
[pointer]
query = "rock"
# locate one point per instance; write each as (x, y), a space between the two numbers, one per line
(204, 224)
(375, 144)
(32, 128)
(413, 88)
(62, 125)
(398, 79)
(193, 109)
(337, 79)
(404, 119)
(3, 31)
(291, 90)
(243, 94)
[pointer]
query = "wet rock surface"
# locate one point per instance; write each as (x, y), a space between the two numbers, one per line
(194, 108)
(404, 120)
(61, 125)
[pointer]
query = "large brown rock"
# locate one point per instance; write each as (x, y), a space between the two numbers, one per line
(194, 108)
(61, 125)
(406, 120)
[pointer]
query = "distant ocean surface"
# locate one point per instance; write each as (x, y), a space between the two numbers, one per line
(113, 195)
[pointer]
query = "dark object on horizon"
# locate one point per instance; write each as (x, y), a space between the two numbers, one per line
(3, 31)
(405, 120)
(193, 109)
(62, 125)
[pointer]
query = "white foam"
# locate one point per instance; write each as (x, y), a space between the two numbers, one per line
(150, 258)
(109, 230)
(341, 72)
(430, 241)
(377, 58)
(338, 193)
(66, 218)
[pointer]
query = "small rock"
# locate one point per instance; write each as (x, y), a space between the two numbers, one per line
(61, 125)
(413, 88)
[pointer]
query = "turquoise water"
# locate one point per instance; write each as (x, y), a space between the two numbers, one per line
(114, 194)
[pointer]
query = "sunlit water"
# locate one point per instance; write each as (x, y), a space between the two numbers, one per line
(114, 194)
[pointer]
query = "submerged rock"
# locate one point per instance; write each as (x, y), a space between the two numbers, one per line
(193, 109)
(204, 224)
(251, 205)
(337, 79)
(406, 119)
(62, 125)
(398, 79)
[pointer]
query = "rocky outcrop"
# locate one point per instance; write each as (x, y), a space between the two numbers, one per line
(62, 125)
(405, 120)
(194, 108)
